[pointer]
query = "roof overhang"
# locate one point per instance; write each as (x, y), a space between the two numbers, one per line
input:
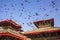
(40, 21)
(9, 34)
(10, 23)
(38, 31)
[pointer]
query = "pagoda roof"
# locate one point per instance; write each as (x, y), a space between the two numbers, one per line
(21, 37)
(10, 23)
(12, 33)
(42, 30)
(40, 21)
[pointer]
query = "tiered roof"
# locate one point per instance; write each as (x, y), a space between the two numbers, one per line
(43, 30)
(49, 21)
(10, 23)
(10, 32)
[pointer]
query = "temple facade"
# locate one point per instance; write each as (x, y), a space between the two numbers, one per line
(45, 31)
(9, 30)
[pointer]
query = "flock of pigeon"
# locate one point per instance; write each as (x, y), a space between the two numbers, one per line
(53, 5)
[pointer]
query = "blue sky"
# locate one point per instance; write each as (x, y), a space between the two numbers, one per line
(25, 12)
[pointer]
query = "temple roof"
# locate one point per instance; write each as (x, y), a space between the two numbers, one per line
(41, 21)
(9, 23)
(48, 29)
(42, 30)
(13, 35)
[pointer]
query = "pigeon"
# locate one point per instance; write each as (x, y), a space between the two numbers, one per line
(6, 8)
(44, 9)
(15, 4)
(20, 14)
(28, 24)
(5, 5)
(22, 4)
(27, 1)
(22, 23)
(23, 7)
(36, 14)
(56, 9)
(29, 15)
(53, 4)
(12, 5)
(13, 8)
(46, 15)
(11, 17)
(37, 0)
(40, 8)
(22, 10)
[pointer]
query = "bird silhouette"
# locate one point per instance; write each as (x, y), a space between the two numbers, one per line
(36, 14)
(10, 17)
(44, 9)
(12, 5)
(28, 24)
(15, 4)
(5, 5)
(23, 23)
(53, 4)
(46, 15)
(56, 9)
(29, 15)
(20, 14)
(27, 1)
(6, 8)
(37, 0)
(22, 4)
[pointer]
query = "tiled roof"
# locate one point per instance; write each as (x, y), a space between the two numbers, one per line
(51, 20)
(10, 23)
(40, 30)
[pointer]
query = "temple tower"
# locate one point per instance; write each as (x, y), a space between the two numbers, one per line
(45, 31)
(9, 30)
